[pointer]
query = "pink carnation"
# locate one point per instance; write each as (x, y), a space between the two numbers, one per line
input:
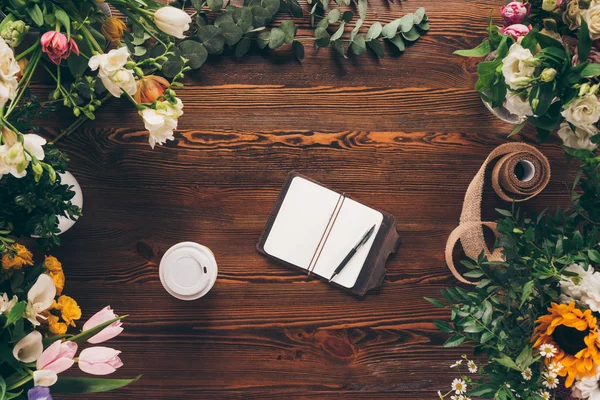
(514, 12)
(516, 30)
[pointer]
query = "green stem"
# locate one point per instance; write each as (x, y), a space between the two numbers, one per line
(91, 40)
(78, 122)
(24, 83)
(28, 50)
(144, 27)
(20, 382)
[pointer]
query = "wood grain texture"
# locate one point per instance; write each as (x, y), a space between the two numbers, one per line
(406, 134)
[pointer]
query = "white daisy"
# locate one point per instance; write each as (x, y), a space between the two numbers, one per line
(472, 366)
(456, 364)
(551, 381)
(555, 367)
(527, 374)
(459, 386)
(545, 395)
(547, 350)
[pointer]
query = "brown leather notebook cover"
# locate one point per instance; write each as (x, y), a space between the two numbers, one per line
(372, 273)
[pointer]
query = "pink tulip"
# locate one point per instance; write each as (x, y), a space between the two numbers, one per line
(58, 357)
(514, 12)
(102, 316)
(99, 360)
(57, 46)
(516, 30)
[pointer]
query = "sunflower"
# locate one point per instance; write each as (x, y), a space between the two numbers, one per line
(574, 333)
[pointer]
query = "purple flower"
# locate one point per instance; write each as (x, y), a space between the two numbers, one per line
(39, 393)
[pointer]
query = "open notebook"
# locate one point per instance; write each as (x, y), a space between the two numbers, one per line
(314, 228)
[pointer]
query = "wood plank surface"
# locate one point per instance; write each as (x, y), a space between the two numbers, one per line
(405, 134)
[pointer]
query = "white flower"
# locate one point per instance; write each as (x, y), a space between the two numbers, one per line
(580, 139)
(592, 17)
(456, 364)
(30, 348)
(517, 106)
(39, 298)
(551, 381)
(44, 377)
(15, 156)
(545, 395)
(555, 367)
(162, 121)
(518, 66)
(589, 387)
(6, 305)
(583, 112)
(472, 366)
(459, 386)
(547, 350)
(121, 79)
(109, 63)
(584, 288)
(527, 374)
(172, 21)
(9, 68)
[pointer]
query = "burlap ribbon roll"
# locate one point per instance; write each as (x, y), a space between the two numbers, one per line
(507, 186)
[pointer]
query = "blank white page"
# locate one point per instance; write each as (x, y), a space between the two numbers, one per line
(353, 221)
(302, 219)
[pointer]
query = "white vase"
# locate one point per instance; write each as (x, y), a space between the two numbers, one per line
(64, 223)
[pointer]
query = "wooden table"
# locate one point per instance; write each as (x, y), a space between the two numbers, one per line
(405, 134)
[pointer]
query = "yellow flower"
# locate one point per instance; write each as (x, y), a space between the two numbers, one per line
(59, 281)
(20, 257)
(69, 309)
(52, 264)
(574, 333)
(55, 327)
(113, 29)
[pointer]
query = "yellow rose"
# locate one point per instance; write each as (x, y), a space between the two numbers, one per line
(59, 281)
(52, 264)
(20, 257)
(113, 29)
(69, 309)
(55, 327)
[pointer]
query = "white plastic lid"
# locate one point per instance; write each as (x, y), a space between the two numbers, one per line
(188, 270)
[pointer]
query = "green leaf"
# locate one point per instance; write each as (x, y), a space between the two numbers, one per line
(2, 388)
(546, 41)
(485, 337)
(374, 31)
(322, 37)
(298, 49)
(289, 28)
(482, 50)
(454, 341)
(424, 26)
(505, 213)
(214, 5)
(347, 16)
(530, 41)
(260, 16)
(212, 38)
(411, 35)
(172, 66)
(524, 358)
(334, 15)
(390, 30)
(377, 48)
(139, 51)
(84, 336)
(271, 5)
(527, 289)
(356, 29)
(338, 46)
(195, 52)
(584, 43)
(358, 45)
(340, 31)
(594, 256)
(277, 38)
(242, 16)
(590, 70)
(407, 23)
(435, 302)
(231, 32)
(67, 385)
(398, 42)
(64, 20)
(362, 9)
(419, 15)
(35, 12)
(263, 39)
(16, 313)
(473, 329)
(507, 362)
(443, 326)
(488, 312)
(242, 47)
(544, 94)
(77, 65)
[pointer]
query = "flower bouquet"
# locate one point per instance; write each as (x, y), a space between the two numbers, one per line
(543, 66)
(35, 342)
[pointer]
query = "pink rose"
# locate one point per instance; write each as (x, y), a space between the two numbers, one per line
(514, 12)
(99, 360)
(58, 357)
(515, 30)
(102, 316)
(57, 46)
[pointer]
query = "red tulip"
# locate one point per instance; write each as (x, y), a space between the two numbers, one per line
(57, 46)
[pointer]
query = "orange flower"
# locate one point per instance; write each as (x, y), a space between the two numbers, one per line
(52, 264)
(23, 63)
(55, 327)
(69, 309)
(150, 88)
(59, 281)
(574, 333)
(21, 256)
(113, 29)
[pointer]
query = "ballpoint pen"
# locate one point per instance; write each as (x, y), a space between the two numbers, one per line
(352, 252)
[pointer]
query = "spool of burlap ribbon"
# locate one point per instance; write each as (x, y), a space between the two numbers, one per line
(508, 186)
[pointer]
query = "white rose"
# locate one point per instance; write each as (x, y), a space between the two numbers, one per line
(120, 79)
(172, 21)
(592, 17)
(588, 387)
(9, 68)
(580, 139)
(572, 15)
(162, 121)
(517, 106)
(583, 112)
(518, 66)
(110, 62)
